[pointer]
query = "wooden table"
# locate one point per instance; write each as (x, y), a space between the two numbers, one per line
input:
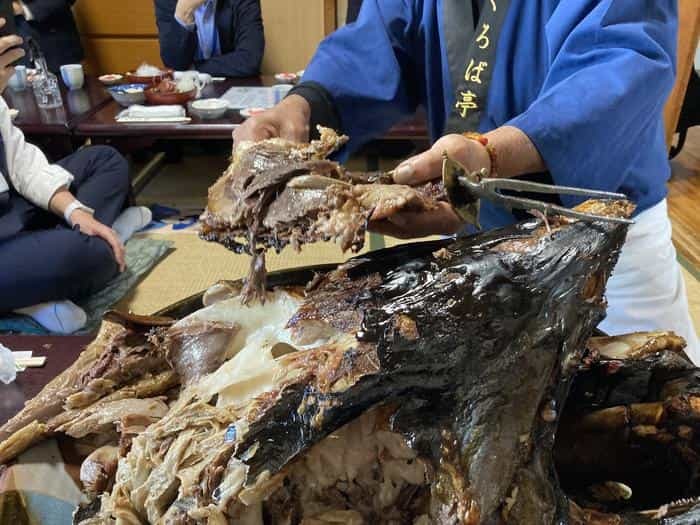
(90, 113)
(77, 105)
(101, 124)
(61, 352)
(52, 129)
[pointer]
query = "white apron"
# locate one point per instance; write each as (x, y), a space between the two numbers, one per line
(646, 291)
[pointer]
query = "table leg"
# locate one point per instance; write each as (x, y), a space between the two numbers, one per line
(147, 173)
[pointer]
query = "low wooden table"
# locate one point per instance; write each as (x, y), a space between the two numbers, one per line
(77, 105)
(61, 352)
(53, 129)
(101, 126)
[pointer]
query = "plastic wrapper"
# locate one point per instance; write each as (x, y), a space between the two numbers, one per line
(8, 368)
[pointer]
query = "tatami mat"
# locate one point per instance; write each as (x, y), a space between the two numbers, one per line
(194, 265)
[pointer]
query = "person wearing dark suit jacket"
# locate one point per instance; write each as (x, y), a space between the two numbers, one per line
(353, 11)
(219, 37)
(51, 24)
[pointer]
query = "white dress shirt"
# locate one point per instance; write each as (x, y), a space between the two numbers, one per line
(28, 169)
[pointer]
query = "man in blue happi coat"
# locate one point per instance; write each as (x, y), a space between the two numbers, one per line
(565, 91)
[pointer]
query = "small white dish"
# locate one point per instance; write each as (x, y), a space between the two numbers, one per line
(111, 79)
(286, 78)
(249, 112)
(209, 108)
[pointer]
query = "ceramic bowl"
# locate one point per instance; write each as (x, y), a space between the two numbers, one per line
(209, 108)
(129, 94)
(150, 80)
(160, 98)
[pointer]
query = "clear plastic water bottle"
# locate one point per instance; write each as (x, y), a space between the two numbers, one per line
(47, 92)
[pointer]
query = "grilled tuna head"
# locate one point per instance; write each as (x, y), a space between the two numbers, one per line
(419, 385)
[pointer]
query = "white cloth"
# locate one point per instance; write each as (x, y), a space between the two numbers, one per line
(153, 112)
(30, 172)
(646, 291)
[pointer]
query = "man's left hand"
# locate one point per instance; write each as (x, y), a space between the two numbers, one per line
(423, 168)
(17, 9)
(90, 226)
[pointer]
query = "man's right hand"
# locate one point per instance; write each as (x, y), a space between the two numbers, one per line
(288, 120)
(184, 10)
(9, 52)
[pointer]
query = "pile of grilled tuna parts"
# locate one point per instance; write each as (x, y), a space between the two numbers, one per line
(446, 382)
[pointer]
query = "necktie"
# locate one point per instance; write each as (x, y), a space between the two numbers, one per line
(207, 34)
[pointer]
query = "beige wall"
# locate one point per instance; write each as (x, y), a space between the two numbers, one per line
(120, 34)
(293, 30)
(341, 12)
(688, 34)
(117, 34)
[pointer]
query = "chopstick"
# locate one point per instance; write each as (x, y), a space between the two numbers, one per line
(31, 362)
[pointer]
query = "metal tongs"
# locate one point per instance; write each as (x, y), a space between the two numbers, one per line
(464, 191)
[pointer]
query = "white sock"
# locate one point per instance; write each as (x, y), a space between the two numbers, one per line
(61, 317)
(132, 220)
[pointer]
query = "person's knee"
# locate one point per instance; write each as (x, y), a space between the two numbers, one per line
(90, 265)
(110, 160)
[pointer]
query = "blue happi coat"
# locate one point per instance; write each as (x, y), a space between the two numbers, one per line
(586, 80)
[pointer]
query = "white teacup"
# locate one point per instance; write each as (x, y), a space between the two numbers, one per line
(18, 81)
(73, 76)
(188, 81)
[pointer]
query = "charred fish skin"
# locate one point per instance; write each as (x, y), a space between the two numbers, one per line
(479, 342)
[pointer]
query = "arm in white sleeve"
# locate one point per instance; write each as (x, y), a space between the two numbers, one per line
(29, 170)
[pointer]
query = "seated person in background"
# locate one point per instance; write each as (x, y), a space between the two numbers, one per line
(51, 24)
(62, 227)
(353, 11)
(220, 37)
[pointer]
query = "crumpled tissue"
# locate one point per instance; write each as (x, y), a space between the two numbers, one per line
(8, 367)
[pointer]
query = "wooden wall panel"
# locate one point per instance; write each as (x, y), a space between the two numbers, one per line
(341, 12)
(118, 55)
(120, 34)
(293, 30)
(688, 33)
(116, 17)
